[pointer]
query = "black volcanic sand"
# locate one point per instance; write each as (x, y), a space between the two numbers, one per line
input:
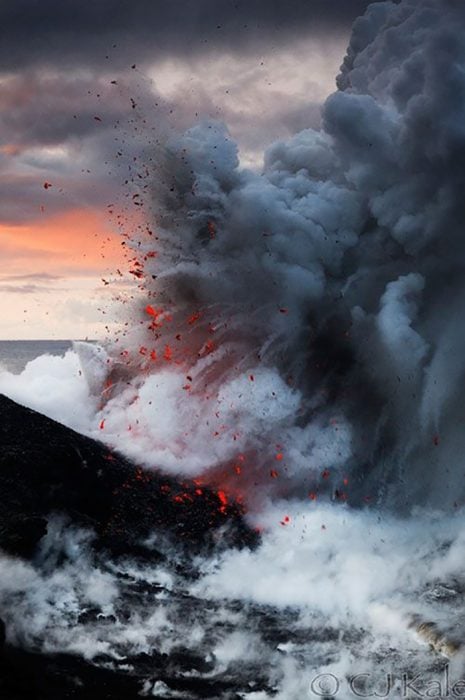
(47, 470)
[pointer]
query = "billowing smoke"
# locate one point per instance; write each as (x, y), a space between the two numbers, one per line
(301, 327)
(311, 313)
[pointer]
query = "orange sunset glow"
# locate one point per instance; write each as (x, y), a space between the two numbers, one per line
(80, 242)
(78, 137)
(52, 281)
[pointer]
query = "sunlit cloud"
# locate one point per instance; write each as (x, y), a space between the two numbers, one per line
(260, 96)
(82, 241)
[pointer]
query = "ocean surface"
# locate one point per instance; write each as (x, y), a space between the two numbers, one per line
(15, 354)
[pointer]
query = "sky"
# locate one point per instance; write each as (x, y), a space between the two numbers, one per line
(90, 91)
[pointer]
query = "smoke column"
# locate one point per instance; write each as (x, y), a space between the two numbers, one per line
(301, 330)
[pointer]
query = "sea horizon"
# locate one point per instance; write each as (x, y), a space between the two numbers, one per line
(15, 354)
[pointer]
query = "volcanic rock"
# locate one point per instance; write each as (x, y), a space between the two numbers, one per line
(48, 469)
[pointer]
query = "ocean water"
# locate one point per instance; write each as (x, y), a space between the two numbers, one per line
(15, 354)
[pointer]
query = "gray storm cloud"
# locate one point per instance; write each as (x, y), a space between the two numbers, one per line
(94, 34)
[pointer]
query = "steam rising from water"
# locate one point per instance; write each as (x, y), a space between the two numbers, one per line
(312, 310)
(309, 601)
(301, 331)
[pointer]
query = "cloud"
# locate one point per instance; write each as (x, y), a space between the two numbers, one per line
(87, 132)
(121, 33)
(89, 125)
(67, 97)
(61, 129)
(33, 277)
(33, 283)
(11, 251)
(24, 289)
(78, 242)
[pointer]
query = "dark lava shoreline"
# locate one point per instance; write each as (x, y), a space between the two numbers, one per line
(48, 470)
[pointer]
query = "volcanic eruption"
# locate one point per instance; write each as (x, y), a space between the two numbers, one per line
(296, 346)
